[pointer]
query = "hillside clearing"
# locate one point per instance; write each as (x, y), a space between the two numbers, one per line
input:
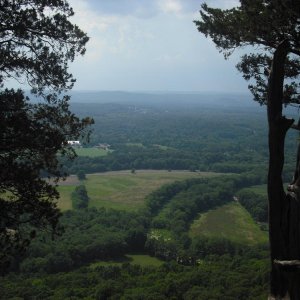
(230, 221)
(122, 189)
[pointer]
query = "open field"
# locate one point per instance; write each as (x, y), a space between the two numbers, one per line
(134, 259)
(230, 221)
(91, 152)
(122, 189)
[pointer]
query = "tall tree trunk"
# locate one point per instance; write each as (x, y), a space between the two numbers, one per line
(278, 126)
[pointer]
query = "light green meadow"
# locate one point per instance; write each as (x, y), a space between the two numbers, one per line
(122, 189)
(230, 221)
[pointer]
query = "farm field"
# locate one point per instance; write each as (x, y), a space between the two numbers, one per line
(91, 152)
(122, 189)
(230, 221)
(134, 259)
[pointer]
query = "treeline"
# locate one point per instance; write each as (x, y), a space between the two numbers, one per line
(153, 157)
(100, 234)
(255, 203)
(79, 197)
(180, 137)
(175, 206)
(89, 235)
(203, 265)
(219, 278)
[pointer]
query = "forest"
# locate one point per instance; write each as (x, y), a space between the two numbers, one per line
(149, 195)
(204, 135)
(91, 252)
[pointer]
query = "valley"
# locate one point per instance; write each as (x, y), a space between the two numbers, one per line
(178, 204)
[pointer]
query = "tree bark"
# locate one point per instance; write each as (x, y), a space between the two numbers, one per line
(283, 281)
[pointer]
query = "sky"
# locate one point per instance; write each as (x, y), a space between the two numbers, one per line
(150, 45)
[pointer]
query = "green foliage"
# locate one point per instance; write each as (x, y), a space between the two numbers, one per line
(30, 47)
(101, 238)
(121, 190)
(81, 175)
(272, 27)
(255, 203)
(219, 278)
(142, 260)
(89, 235)
(209, 137)
(231, 222)
(37, 43)
(80, 198)
(264, 24)
(175, 206)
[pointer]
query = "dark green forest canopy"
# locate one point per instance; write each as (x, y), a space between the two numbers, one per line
(37, 43)
(207, 132)
(98, 236)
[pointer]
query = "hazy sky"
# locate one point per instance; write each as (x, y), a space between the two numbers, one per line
(150, 45)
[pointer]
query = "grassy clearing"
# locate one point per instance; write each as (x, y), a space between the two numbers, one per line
(135, 145)
(230, 221)
(64, 202)
(161, 234)
(124, 190)
(91, 152)
(134, 259)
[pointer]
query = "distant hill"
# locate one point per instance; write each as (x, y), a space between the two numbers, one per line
(200, 98)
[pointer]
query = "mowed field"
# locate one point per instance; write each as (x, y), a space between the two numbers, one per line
(122, 189)
(230, 221)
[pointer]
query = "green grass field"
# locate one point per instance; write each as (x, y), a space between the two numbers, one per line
(91, 152)
(230, 221)
(134, 259)
(122, 189)
(135, 145)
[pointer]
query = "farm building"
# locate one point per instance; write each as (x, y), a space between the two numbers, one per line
(74, 143)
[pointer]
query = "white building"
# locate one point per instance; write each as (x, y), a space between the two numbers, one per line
(74, 143)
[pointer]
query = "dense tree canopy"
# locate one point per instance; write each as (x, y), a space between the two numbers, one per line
(37, 43)
(273, 27)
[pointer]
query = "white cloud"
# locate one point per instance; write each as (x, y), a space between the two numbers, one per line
(223, 4)
(170, 6)
(89, 20)
(160, 51)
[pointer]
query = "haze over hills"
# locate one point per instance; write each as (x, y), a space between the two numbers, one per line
(195, 98)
